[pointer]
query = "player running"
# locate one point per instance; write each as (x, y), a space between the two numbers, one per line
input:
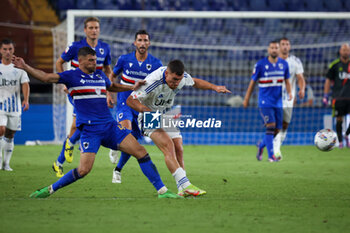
(158, 96)
(92, 32)
(338, 77)
(87, 86)
(296, 71)
(270, 72)
(11, 81)
(134, 66)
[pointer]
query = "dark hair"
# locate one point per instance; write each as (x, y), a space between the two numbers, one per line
(273, 42)
(84, 51)
(90, 19)
(283, 38)
(6, 41)
(142, 32)
(177, 67)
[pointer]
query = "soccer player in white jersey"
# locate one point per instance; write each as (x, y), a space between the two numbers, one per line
(11, 81)
(158, 96)
(296, 71)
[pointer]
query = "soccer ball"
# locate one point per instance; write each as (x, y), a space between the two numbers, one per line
(325, 139)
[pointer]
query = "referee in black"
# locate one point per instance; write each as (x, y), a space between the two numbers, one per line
(338, 76)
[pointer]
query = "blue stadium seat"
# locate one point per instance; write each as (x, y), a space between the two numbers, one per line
(334, 5)
(85, 4)
(106, 4)
(64, 5)
(277, 5)
(258, 5)
(314, 5)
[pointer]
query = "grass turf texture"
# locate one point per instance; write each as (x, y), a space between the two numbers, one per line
(309, 191)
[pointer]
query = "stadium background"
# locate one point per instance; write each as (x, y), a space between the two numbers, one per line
(29, 24)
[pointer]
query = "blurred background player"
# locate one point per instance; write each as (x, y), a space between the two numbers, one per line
(11, 81)
(88, 88)
(270, 73)
(92, 32)
(134, 66)
(158, 96)
(296, 71)
(338, 76)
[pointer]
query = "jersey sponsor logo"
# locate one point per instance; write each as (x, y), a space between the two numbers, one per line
(162, 102)
(344, 75)
(102, 51)
(5, 82)
(148, 66)
(82, 81)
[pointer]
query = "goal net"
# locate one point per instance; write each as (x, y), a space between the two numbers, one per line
(220, 47)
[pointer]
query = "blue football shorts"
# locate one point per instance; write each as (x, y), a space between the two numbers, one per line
(124, 112)
(272, 115)
(109, 135)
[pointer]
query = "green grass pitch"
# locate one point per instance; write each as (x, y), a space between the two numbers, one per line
(309, 191)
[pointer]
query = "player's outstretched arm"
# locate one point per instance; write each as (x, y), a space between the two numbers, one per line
(205, 85)
(248, 93)
(35, 73)
(134, 103)
(117, 87)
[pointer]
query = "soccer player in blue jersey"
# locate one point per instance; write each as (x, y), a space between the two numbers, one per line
(88, 87)
(92, 32)
(270, 73)
(133, 66)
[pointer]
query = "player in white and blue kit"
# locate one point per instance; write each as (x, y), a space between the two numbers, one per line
(11, 82)
(92, 32)
(158, 95)
(270, 73)
(133, 67)
(296, 71)
(88, 89)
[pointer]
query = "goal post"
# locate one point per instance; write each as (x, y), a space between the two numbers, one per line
(221, 47)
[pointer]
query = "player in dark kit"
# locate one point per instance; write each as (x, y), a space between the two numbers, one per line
(88, 86)
(338, 77)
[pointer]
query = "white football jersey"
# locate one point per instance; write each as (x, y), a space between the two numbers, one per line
(156, 93)
(11, 79)
(295, 67)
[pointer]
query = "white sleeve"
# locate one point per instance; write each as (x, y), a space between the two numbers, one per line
(299, 66)
(188, 79)
(24, 77)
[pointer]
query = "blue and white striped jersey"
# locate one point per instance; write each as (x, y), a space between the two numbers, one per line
(11, 79)
(156, 94)
(270, 78)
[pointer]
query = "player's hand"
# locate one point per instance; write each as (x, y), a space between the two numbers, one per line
(245, 103)
(25, 105)
(301, 94)
(65, 89)
(325, 100)
(110, 99)
(290, 96)
(18, 62)
(138, 84)
(221, 89)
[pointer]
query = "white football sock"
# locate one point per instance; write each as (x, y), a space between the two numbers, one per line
(283, 135)
(181, 179)
(8, 149)
(277, 144)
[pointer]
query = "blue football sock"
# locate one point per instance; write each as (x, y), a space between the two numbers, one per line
(269, 140)
(150, 170)
(124, 157)
(75, 137)
(262, 143)
(67, 179)
(61, 159)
